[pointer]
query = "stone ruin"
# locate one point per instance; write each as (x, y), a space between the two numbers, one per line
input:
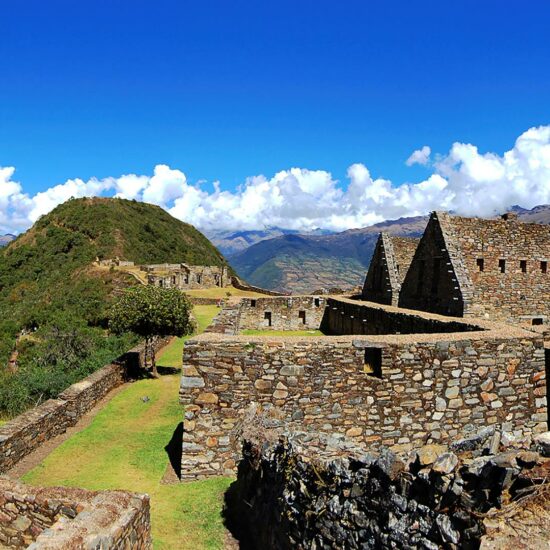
(187, 277)
(65, 518)
(390, 263)
(182, 276)
(464, 365)
(302, 490)
(472, 267)
(381, 376)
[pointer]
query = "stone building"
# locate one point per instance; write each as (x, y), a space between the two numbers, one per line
(382, 377)
(187, 277)
(475, 267)
(389, 265)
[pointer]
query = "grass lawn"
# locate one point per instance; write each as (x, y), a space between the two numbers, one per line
(123, 448)
(172, 354)
(281, 332)
(218, 292)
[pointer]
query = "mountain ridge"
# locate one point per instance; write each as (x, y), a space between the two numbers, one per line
(304, 263)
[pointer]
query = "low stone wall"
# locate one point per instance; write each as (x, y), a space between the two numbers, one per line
(68, 518)
(241, 285)
(282, 313)
(291, 496)
(346, 316)
(28, 431)
(379, 391)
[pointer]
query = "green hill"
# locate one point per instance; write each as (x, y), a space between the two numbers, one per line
(50, 291)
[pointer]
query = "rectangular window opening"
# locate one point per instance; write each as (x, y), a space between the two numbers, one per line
(252, 303)
(267, 318)
(523, 266)
(502, 266)
(537, 321)
(544, 266)
(373, 362)
(317, 302)
(302, 316)
(480, 262)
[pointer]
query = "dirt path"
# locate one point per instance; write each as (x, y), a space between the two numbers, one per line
(38, 455)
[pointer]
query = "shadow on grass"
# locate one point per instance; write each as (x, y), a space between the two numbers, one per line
(174, 449)
(164, 371)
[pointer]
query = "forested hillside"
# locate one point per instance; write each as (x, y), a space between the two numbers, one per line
(55, 302)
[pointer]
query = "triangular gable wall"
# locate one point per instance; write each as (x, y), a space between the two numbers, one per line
(432, 283)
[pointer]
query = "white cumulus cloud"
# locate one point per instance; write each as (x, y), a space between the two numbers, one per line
(420, 156)
(463, 180)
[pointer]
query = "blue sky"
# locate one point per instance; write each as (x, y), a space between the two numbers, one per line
(227, 90)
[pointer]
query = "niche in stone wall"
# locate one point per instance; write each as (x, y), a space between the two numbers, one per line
(267, 318)
(302, 316)
(373, 362)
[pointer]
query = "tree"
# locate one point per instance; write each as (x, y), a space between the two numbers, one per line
(150, 312)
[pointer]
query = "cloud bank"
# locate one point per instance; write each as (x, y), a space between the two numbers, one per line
(463, 180)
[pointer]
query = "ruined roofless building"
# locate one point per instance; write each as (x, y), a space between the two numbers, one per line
(475, 267)
(187, 277)
(387, 269)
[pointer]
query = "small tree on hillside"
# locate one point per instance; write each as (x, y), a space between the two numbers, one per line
(150, 312)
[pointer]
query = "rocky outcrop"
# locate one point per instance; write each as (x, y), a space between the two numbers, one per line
(307, 492)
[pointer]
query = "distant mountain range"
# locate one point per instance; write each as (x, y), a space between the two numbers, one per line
(233, 242)
(6, 239)
(303, 263)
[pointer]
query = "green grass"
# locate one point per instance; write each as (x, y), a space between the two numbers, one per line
(218, 292)
(123, 448)
(204, 316)
(171, 355)
(251, 332)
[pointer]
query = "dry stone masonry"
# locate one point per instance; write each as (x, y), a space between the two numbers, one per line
(305, 491)
(392, 390)
(474, 267)
(187, 277)
(387, 269)
(72, 519)
(28, 431)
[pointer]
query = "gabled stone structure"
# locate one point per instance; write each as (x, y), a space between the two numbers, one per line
(389, 264)
(474, 267)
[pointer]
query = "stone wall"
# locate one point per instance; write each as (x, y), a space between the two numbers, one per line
(187, 277)
(28, 431)
(379, 391)
(345, 316)
(387, 269)
(283, 313)
(69, 519)
(292, 495)
(436, 280)
(237, 282)
(475, 267)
